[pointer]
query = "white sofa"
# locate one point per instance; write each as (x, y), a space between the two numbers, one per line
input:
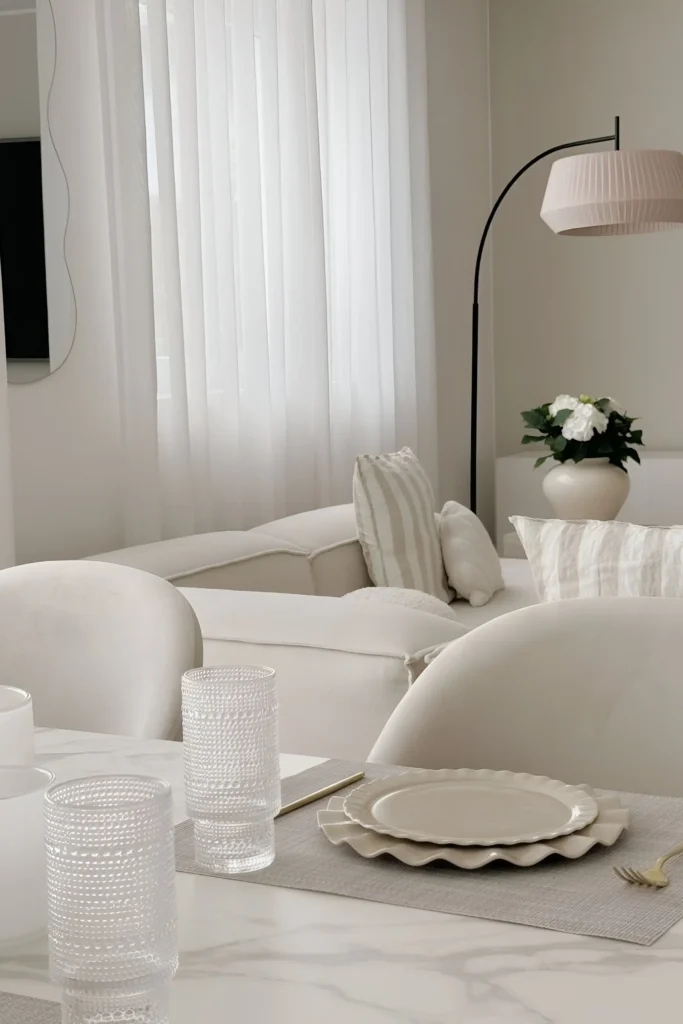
(271, 595)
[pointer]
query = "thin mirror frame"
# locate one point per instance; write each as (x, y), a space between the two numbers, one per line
(62, 305)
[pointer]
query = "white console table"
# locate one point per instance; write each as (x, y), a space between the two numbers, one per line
(656, 490)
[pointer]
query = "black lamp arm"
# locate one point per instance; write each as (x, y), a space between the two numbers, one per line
(615, 138)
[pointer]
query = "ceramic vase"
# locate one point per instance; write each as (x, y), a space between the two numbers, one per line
(591, 489)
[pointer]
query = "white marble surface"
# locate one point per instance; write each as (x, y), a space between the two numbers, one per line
(262, 954)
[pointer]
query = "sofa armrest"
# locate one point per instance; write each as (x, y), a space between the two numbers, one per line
(228, 560)
(330, 537)
(310, 553)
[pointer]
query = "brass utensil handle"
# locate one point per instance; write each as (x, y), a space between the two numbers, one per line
(319, 794)
(678, 849)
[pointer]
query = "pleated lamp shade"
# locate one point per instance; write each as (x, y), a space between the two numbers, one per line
(618, 192)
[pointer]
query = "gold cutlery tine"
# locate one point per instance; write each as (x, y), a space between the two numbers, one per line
(627, 874)
(320, 793)
(654, 876)
(635, 877)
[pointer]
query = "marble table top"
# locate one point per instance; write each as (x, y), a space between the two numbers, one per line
(260, 953)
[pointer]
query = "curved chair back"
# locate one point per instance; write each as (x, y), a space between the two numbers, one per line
(589, 690)
(100, 647)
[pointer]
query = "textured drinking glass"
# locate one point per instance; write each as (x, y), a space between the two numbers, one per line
(232, 765)
(111, 898)
(23, 900)
(16, 726)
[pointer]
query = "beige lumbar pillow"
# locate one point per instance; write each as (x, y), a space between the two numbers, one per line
(394, 505)
(590, 558)
(415, 599)
(471, 561)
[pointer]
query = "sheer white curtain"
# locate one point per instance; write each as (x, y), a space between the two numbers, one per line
(289, 233)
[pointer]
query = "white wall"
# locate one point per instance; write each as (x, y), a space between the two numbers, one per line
(601, 316)
(19, 102)
(65, 429)
(458, 110)
(19, 118)
(25, 81)
(7, 549)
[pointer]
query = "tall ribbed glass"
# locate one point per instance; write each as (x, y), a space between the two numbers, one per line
(111, 898)
(232, 767)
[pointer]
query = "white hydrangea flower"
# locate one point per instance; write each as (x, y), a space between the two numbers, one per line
(583, 422)
(614, 406)
(562, 402)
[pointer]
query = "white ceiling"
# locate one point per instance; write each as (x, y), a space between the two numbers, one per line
(13, 6)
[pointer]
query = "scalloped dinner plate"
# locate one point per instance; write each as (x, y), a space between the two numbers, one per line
(470, 807)
(611, 821)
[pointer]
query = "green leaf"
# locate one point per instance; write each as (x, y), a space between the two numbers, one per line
(535, 418)
(633, 454)
(561, 417)
(539, 462)
(636, 437)
(532, 438)
(558, 444)
(602, 404)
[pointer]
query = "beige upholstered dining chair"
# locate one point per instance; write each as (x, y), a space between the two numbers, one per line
(100, 647)
(584, 691)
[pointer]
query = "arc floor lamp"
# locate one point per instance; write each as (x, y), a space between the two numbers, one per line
(613, 192)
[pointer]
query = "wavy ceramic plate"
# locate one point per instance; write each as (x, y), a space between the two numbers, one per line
(609, 824)
(470, 807)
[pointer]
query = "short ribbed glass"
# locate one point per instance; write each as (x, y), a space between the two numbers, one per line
(232, 766)
(111, 898)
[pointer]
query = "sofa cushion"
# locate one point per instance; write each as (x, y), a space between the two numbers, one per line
(231, 559)
(402, 598)
(471, 561)
(590, 558)
(330, 538)
(342, 667)
(394, 505)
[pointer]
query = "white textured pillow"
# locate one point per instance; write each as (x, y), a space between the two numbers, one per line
(589, 558)
(394, 506)
(471, 561)
(415, 599)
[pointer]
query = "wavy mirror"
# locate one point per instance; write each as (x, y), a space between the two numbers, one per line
(37, 291)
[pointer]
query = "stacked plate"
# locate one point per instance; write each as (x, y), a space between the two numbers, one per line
(470, 818)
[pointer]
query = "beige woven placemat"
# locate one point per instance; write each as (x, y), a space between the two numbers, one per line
(581, 896)
(27, 1010)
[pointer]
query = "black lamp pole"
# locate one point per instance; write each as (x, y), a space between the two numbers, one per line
(475, 305)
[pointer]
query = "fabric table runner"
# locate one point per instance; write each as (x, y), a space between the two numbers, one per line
(582, 897)
(27, 1010)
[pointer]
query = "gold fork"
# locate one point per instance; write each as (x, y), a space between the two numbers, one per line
(653, 876)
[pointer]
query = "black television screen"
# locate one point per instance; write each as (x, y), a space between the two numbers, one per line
(22, 250)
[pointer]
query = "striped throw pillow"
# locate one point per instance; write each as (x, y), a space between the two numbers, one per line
(397, 530)
(588, 558)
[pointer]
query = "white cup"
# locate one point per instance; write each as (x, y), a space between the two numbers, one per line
(16, 726)
(23, 875)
